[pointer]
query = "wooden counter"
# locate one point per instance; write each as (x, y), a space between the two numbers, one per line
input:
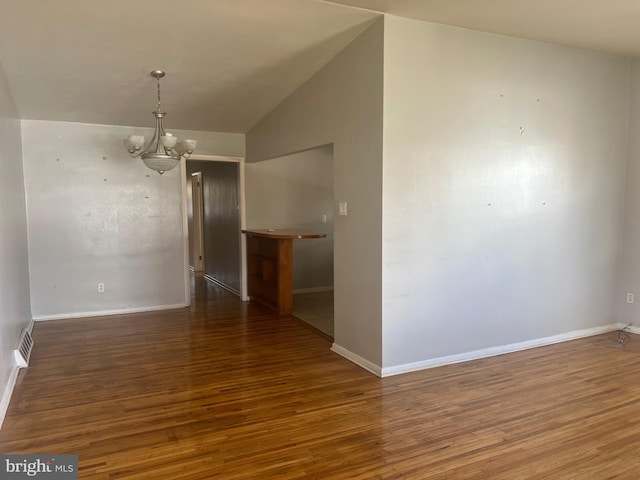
(270, 266)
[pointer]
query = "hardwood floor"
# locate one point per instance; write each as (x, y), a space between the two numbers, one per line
(225, 390)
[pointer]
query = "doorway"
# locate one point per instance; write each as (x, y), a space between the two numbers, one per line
(296, 192)
(213, 203)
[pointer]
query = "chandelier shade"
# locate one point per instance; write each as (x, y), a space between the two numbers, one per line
(163, 152)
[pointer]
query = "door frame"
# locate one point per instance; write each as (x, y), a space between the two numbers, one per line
(196, 244)
(185, 222)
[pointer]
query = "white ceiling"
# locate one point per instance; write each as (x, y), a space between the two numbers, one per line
(609, 26)
(229, 62)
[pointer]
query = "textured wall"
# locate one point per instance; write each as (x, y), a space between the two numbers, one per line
(504, 164)
(97, 215)
(630, 260)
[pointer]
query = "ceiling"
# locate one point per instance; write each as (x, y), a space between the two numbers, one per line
(609, 26)
(229, 62)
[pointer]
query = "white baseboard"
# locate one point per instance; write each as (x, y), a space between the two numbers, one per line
(11, 382)
(313, 289)
(630, 327)
(357, 359)
(102, 313)
(501, 350)
(8, 391)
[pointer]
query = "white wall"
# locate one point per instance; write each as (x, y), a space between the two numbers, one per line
(492, 236)
(630, 261)
(97, 215)
(342, 104)
(15, 311)
(293, 192)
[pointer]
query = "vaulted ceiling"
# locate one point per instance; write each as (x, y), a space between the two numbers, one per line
(229, 62)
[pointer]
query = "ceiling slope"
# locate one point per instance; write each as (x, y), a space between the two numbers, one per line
(228, 62)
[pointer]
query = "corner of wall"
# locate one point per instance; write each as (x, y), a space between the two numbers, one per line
(15, 307)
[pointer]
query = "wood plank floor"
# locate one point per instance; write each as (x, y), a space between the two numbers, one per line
(225, 390)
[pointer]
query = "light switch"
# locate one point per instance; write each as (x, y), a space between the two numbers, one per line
(342, 208)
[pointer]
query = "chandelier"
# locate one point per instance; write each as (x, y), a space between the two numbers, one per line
(163, 152)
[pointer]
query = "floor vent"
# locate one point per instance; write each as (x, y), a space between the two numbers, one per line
(23, 352)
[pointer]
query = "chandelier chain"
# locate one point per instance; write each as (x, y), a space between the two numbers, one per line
(163, 152)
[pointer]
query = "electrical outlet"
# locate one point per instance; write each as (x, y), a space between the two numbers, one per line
(101, 288)
(324, 218)
(630, 298)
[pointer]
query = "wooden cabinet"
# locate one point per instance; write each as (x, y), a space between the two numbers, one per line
(270, 266)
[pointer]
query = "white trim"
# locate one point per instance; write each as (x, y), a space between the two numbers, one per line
(493, 351)
(11, 382)
(8, 391)
(104, 313)
(185, 234)
(216, 158)
(198, 222)
(313, 290)
(629, 326)
(357, 359)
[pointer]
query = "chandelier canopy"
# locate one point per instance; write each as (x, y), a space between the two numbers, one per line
(163, 152)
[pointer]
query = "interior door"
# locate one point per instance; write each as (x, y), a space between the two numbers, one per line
(222, 223)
